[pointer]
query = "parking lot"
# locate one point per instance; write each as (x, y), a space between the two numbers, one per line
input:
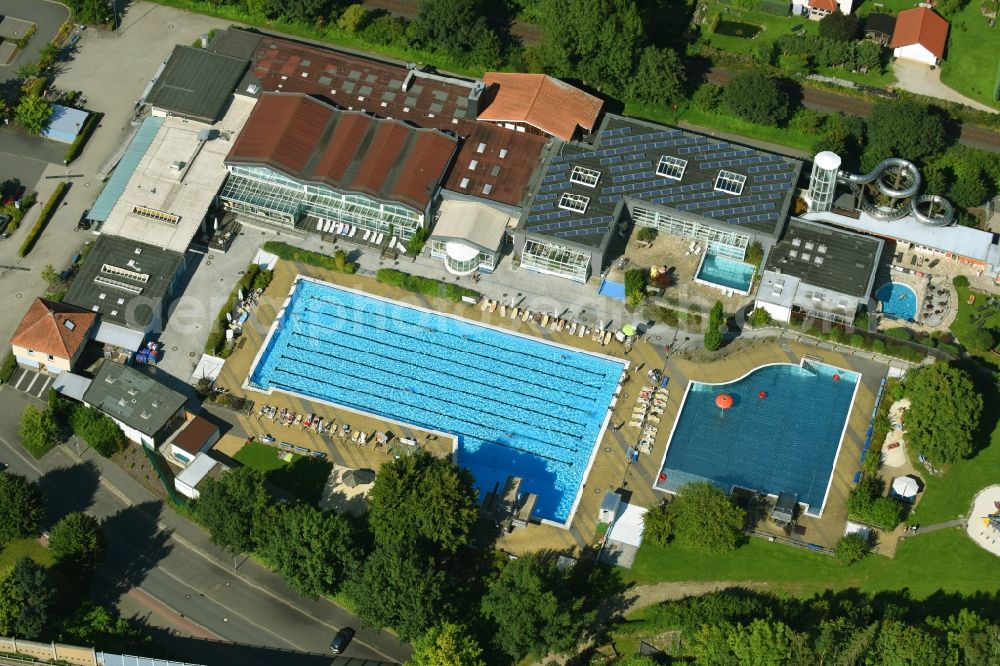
(46, 15)
(32, 382)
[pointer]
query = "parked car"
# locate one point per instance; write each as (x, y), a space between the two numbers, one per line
(84, 223)
(341, 640)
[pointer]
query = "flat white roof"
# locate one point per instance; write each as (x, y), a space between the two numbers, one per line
(178, 176)
(71, 385)
(473, 223)
(963, 241)
(628, 528)
(199, 468)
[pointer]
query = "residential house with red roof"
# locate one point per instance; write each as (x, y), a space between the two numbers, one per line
(52, 336)
(815, 10)
(920, 35)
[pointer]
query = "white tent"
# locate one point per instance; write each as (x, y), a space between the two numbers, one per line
(905, 488)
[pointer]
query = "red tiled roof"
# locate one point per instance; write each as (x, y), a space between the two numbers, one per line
(828, 5)
(921, 26)
(194, 435)
(44, 328)
(541, 101)
(349, 151)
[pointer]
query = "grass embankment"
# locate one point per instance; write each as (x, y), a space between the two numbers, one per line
(15, 550)
(967, 68)
(945, 560)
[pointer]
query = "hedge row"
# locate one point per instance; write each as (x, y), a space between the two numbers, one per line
(89, 125)
(7, 367)
(43, 219)
(253, 278)
(338, 262)
(426, 286)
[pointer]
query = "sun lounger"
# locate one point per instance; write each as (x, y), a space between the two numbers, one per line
(485, 304)
(562, 324)
(503, 311)
(526, 314)
(493, 306)
(545, 321)
(635, 424)
(378, 239)
(515, 313)
(553, 323)
(319, 224)
(653, 419)
(572, 328)
(368, 234)
(607, 338)
(337, 227)
(582, 332)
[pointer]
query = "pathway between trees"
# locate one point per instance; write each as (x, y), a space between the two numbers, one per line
(650, 595)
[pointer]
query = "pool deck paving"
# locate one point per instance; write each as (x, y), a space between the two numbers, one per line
(610, 469)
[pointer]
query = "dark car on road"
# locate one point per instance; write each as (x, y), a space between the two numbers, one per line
(341, 640)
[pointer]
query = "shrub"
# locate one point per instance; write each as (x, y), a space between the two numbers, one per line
(99, 431)
(755, 254)
(960, 281)
(899, 333)
(89, 125)
(215, 344)
(635, 287)
(878, 346)
(839, 27)
(857, 340)
(851, 548)
(646, 234)
(865, 504)
(422, 285)
(263, 279)
(662, 315)
(708, 97)
(760, 317)
(291, 253)
(43, 219)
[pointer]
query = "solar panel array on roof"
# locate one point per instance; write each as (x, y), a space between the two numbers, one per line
(626, 153)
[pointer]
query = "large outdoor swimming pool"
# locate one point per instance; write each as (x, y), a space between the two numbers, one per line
(727, 273)
(898, 301)
(519, 406)
(788, 440)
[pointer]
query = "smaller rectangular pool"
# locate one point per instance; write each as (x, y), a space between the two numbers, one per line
(723, 273)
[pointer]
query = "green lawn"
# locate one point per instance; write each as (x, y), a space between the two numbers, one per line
(965, 311)
(15, 550)
(945, 560)
(967, 68)
(260, 457)
(303, 477)
(773, 27)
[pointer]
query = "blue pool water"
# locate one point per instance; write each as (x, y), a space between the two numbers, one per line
(518, 405)
(726, 272)
(615, 290)
(785, 441)
(898, 301)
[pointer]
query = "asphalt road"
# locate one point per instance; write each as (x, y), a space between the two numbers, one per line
(165, 568)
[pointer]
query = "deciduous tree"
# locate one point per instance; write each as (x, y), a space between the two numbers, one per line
(534, 608)
(26, 597)
(312, 549)
(756, 98)
(424, 500)
(21, 507)
(852, 548)
(459, 28)
(944, 412)
(38, 430)
(706, 520)
(33, 113)
(230, 506)
(658, 524)
(77, 541)
(659, 78)
(903, 128)
(840, 27)
(400, 588)
(99, 431)
(447, 645)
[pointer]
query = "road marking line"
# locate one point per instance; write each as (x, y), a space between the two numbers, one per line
(34, 379)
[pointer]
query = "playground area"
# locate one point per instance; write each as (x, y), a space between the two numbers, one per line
(983, 524)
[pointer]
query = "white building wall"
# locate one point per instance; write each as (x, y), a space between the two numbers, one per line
(915, 52)
(778, 312)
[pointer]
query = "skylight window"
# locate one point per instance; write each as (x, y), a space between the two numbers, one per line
(574, 202)
(69, 323)
(584, 176)
(671, 167)
(730, 182)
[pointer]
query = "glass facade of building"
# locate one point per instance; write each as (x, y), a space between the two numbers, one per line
(555, 259)
(483, 262)
(270, 195)
(722, 242)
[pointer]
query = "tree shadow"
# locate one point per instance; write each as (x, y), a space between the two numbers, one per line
(222, 653)
(69, 489)
(304, 478)
(136, 545)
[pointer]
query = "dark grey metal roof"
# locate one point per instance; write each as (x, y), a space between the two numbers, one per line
(883, 23)
(196, 83)
(235, 42)
(133, 398)
(626, 152)
(128, 297)
(827, 257)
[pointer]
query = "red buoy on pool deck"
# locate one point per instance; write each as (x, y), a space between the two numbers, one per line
(724, 401)
(662, 477)
(836, 378)
(762, 395)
